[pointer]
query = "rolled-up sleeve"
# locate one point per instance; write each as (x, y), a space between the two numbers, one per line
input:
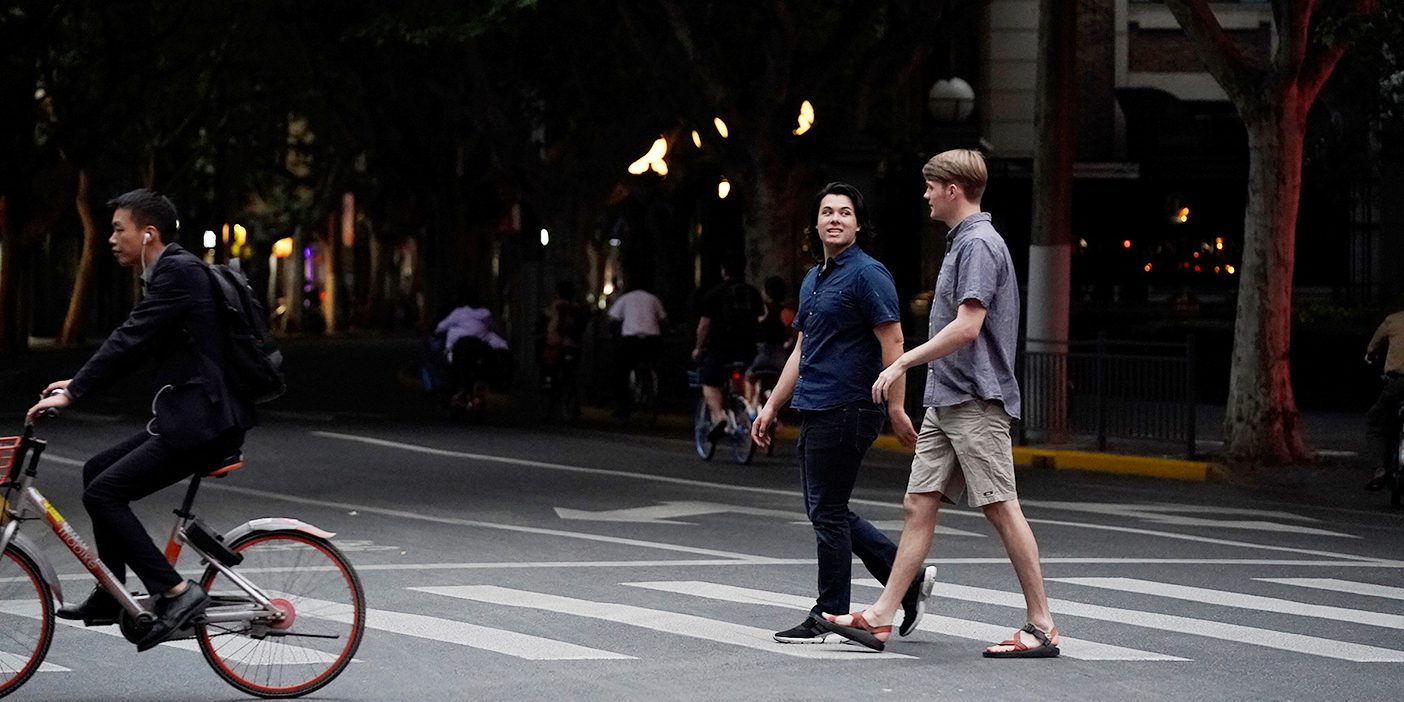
(877, 296)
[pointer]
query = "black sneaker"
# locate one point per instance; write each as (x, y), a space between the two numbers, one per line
(807, 632)
(174, 614)
(914, 602)
(100, 609)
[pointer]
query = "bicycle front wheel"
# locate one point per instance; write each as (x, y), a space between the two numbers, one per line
(323, 616)
(701, 432)
(26, 620)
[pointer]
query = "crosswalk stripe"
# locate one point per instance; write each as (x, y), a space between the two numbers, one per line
(511, 643)
(9, 661)
(949, 626)
(1241, 600)
(1241, 635)
(1337, 585)
(657, 620)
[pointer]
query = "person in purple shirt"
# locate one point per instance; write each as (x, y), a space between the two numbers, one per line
(971, 396)
(849, 329)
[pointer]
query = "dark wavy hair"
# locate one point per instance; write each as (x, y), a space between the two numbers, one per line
(866, 232)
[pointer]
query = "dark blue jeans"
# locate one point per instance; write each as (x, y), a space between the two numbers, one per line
(832, 444)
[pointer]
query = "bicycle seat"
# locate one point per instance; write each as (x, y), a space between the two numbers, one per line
(226, 465)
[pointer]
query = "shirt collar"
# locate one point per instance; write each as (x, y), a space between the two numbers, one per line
(966, 225)
(146, 271)
(848, 253)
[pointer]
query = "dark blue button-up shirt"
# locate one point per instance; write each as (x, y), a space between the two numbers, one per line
(840, 357)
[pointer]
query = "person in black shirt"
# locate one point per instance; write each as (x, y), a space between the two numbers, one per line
(726, 334)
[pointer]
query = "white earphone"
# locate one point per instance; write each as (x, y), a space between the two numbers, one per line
(146, 238)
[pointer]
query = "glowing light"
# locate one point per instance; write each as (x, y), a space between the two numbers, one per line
(806, 118)
(653, 159)
(1082, 243)
(1126, 244)
(545, 237)
(1229, 269)
(608, 288)
(723, 189)
(1216, 269)
(1196, 254)
(1148, 268)
(614, 242)
(1197, 269)
(209, 239)
(1219, 243)
(696, 139)
(283, 248)
(721, 127)
(1182, 216)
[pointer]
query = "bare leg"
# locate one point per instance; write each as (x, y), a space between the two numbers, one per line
(921, 510)
(714, 402)
(1008, 520)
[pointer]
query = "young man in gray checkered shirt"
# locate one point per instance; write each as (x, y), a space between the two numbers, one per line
(971, 397)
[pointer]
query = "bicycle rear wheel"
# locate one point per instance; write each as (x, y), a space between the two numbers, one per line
(324, 608)
(739, 431)
(26, 620)
(701, 430)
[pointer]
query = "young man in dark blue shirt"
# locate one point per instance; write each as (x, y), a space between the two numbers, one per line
(850, 329)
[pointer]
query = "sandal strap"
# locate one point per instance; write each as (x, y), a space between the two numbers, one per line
(1037, 633)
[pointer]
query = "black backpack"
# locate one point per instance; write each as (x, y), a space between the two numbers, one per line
(252, 362)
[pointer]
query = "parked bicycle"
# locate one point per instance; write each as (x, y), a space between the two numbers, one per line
(287, 611)
(738, 418)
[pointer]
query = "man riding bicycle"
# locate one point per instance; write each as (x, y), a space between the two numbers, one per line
(197, 419)
(726, 335)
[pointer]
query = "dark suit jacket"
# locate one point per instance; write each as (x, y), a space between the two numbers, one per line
(176, 326)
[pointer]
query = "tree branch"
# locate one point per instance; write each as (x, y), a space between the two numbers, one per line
(1222, 58)
(1318, 66)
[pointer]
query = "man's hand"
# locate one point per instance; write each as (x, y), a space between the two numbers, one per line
(902, 426)
(886, 378)
(53, 401)
(56, 385)
(763, 426)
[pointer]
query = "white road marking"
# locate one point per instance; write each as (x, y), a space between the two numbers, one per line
(942, 529)
(1164, 514)
(10, 661)
(771, 491)
(656, 620)
(669, 512)
(1239, 635)
(510, 643)
(949, 626)
(1240, 600)
(1335, 585)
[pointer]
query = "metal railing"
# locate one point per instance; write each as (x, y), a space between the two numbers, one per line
(1127, 389)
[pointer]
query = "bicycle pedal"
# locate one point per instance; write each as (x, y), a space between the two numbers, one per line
(99, 622)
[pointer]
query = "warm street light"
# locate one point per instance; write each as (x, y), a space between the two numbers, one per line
(209, 239)
(696, 139)
(282, 248)
(721, 127)
(653, 159)
(723, 189)
(806, 118)
(545, 237)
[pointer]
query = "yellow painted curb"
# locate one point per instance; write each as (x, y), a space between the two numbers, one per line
(1064, 459)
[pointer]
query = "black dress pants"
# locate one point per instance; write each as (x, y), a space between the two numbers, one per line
(129, 471)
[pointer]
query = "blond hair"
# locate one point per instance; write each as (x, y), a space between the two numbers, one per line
(964, 167)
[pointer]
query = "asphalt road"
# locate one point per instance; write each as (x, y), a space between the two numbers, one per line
(505, 560)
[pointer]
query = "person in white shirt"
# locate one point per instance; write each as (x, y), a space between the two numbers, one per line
(475, 352)
(640, 316)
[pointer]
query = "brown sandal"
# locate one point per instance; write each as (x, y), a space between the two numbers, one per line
(1047, 644)
(860, 631)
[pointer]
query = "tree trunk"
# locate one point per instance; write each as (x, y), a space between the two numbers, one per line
(773, 229)
(1261, 421)
(1050, 252)
(77, 315)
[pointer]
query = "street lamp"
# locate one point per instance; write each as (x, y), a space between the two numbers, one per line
(951, 100)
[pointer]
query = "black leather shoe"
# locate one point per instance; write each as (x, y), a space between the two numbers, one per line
(100, 609)
(174, 614)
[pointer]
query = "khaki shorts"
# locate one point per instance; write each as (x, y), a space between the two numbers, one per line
(965, 447)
